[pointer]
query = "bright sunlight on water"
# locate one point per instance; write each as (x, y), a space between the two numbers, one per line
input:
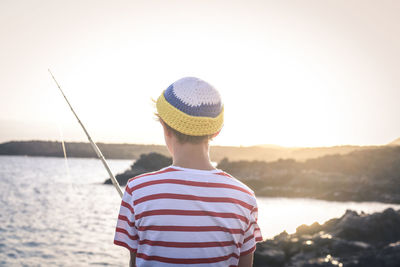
(48, 217)
(285, 214)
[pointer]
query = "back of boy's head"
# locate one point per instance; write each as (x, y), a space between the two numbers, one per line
(192, 109)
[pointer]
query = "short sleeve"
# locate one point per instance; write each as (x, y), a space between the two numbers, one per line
(126, 232)
(252, 234)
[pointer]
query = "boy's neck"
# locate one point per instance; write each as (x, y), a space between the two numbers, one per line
(192, 156)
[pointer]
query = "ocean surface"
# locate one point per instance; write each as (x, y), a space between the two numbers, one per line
(54, 215)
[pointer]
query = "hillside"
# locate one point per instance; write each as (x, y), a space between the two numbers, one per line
(133, 151)
(77, 149)
(395, 142)
(362, 175)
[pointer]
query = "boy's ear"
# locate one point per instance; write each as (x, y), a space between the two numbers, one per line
(216, 134)
(166, 130)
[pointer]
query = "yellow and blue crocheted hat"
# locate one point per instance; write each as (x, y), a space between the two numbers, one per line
(191, 106)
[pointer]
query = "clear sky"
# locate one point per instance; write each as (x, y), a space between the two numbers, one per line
(291, 73)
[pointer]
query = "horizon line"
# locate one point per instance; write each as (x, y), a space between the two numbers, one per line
(211, 145)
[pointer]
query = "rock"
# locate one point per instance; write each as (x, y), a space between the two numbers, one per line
(283, 236)
(305, 229)
(390, 255)
(378, 228)
(322, 239)
(269, 255)
(313, 260)
(344, 247)
(146, 163)
(353, 240)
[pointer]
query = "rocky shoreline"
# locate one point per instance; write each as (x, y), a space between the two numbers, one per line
(353, 240)
(146, 163)
(368, 175)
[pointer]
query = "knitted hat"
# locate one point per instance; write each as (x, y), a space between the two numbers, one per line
(191, 106)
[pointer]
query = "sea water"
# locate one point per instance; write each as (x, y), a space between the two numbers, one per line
(51, 215)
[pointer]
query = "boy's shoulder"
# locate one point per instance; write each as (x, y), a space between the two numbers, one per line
(216, 177)
(144, 176)
(240, 183)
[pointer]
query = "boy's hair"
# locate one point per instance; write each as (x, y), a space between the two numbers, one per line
(184, 138)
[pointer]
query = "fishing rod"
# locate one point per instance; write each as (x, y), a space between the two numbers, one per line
(94, 146)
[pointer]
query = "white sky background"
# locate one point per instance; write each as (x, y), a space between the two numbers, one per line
(292, 73)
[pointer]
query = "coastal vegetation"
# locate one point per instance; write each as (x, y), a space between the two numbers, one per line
(133, 151)
(364, 175)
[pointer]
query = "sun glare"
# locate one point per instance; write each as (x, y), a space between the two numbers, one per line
(284, 78)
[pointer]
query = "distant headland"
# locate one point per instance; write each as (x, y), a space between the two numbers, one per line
(347, 173)
(133, 151)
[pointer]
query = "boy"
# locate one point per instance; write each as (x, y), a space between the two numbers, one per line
(188, 214)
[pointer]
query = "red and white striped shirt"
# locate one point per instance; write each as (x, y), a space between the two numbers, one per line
(181, 216)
